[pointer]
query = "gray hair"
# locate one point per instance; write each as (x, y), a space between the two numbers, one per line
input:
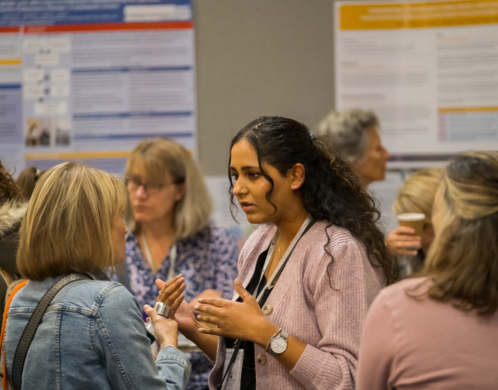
(348, 130)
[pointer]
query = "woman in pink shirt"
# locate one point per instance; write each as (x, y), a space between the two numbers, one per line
(440, 331)
(318, 238)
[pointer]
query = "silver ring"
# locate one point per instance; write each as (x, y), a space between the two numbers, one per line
(162, 309)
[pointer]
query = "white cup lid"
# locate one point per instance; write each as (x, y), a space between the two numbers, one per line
(411, 217)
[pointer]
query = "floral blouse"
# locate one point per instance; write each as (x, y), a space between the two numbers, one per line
(207, 260)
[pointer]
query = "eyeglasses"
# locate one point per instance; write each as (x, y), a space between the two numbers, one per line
(133, 183)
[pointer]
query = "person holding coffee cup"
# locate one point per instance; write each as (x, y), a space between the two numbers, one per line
(413, 207)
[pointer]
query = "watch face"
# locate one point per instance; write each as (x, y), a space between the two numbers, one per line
(278, 345)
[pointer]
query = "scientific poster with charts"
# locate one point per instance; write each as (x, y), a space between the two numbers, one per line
(88, 79)
(428, 69)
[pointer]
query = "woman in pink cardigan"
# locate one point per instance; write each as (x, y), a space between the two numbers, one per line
(440, 330)
(306, 276)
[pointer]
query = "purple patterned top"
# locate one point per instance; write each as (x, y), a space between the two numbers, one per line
(207, 260)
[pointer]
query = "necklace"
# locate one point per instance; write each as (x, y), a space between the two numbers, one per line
(148, 256)
(275, 256)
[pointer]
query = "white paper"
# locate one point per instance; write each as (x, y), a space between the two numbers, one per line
(33, 91)
(59, 90)
(60, 75)
(234, 378)
(33, 75)
(61, 45)
(34, 45)
(47, 58)
(51, 108)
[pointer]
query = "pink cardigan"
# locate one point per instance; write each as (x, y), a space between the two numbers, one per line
(327, 313)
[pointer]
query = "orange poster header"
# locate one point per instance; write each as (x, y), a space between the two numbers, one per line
(395, 15)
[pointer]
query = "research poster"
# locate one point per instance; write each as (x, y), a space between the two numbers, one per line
(87, 80)
(428, 69)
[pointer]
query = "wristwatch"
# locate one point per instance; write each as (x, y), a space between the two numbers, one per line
(278, 344)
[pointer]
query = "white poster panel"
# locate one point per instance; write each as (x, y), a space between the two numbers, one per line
(88, 83)
(428, 69)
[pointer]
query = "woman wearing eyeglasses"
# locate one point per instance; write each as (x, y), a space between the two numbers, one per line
(170, 233)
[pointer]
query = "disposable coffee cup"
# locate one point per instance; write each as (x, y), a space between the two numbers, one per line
(413, 220)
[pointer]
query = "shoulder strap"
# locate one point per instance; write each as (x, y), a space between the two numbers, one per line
(5, 382)
(33, 323)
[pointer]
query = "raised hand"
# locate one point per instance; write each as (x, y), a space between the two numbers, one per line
(183, 314)
(238, 320)
(172, 293)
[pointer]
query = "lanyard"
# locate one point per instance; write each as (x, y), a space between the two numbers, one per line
(276, 274)
(172, 257)
(308, 223)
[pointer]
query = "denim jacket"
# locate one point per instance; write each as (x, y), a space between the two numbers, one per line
(91, 337)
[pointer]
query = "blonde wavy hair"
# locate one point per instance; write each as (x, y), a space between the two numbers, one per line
(418, 192)
(463, 260)
(162, 157)
(68, 222)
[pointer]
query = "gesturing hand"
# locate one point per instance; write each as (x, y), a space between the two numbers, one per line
(238, 320)
(171, 293)
(183, 314)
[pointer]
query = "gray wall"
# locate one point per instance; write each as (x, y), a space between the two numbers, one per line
(259, 57)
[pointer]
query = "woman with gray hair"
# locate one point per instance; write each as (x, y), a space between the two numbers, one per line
(355, 134)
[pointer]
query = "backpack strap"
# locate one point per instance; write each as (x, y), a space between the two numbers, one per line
(4, 321)
(33, 323)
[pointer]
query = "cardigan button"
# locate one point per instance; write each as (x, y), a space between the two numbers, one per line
(267, 310)
(261, 358)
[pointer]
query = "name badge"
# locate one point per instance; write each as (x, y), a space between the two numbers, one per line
(235, 376)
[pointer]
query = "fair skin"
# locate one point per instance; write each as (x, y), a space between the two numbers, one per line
(372, 166)
(166, 331)
(118, 233)
(154, 209)
(402, 240)
(245, 320)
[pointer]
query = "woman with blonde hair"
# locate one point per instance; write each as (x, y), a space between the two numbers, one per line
(92, 334)
(416, 196)
(440, 331)
(170, 233)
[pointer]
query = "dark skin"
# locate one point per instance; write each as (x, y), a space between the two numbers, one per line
(245, 320)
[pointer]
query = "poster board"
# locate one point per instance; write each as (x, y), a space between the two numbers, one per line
(86, 80)
(428, 69)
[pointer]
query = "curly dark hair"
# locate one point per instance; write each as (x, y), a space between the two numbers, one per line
(331, 190)
(9, 190)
